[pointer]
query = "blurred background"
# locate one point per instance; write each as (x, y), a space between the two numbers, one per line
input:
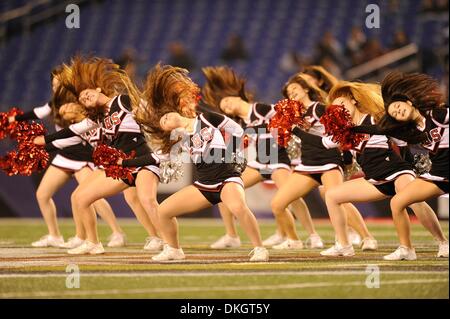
(266, 40)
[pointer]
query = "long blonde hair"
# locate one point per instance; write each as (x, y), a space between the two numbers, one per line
(367, 96)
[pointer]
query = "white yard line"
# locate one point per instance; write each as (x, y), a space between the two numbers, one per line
(91, 293)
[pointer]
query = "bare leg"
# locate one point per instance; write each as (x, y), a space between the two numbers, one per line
(93, 188)
(301, 211)
(146, 186)
(410, 192)
(132, 199)
(101, 206)
(356, 190)
(285, 220)
(228, 220)
(250, 177)
(185, 201)
(233, 196)
(54, 178)
(333, 178)
(296, 186)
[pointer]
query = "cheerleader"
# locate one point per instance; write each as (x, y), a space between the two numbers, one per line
(415, 113)
(385, 171)
(96, 83)
(74, 161)
(319, 166)
(171, 97)
(225, 91)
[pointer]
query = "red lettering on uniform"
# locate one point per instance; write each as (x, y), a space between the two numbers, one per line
(107, 121)
(206, 134)
(115, 118)
(435, 135)
(197, 141)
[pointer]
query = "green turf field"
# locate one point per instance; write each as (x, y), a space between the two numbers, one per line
(128, 272)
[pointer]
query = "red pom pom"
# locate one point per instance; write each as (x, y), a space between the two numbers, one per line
(29, 157)
(246, 141)
(288, 113)
(107, 157)
(338, 123)
(5, 126)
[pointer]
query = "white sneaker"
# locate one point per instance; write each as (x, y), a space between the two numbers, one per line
(338, 250)
(154, 243)
(314, 242)
(402, 253)
(48, 241)
(369, 244)
(226, 241)
(289, 244)
(117, 240)
(354, 237)
(443, 249)
(169, 253)
(259, 254)
(72, 243)
(87, 248)
(273, 240)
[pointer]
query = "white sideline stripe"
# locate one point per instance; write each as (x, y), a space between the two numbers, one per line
(224, 274)
(201, 289)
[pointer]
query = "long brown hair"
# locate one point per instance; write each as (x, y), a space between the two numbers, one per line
(320, 74)
(91, 73)
(61, 96)
(314, 92)
(164, 87)
(421, 90)
(367, 96)
(222, 81)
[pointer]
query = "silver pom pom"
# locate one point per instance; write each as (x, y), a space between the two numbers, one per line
(351, 170)
(293, 148)
(422, 163)
(170, 171)
(239, 161)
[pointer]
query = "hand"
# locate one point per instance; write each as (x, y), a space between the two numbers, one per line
(39, 140)
(119, 162)
(11, 119)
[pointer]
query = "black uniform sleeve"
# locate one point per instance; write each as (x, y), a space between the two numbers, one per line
(51, 148)
(368, 129)
(39, 112)
(61, 134)
(263, 109)
(440, 115)
(214, 118)
(126, 102)
(140, 161)
(319, 110)
(314, 139)
(307, 137)
(27, 116)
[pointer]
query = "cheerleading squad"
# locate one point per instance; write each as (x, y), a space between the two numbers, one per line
(95, 105)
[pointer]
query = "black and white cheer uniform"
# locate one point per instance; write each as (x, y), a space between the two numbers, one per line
(70, 159)
(269, 155)
(118, 129)
(316, 159)
(436, 126)
(379, 162)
